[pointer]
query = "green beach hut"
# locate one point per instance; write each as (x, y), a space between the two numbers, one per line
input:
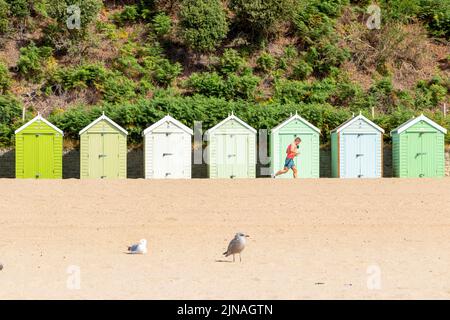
(103, 150)
(39, 146)
(284, 134)
(418, 149)
(231, 151)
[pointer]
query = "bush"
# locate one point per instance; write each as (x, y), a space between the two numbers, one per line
(261, 17)
(162, 24)
(10, 114)
(5, 78)
(57, 33)
(4, 23)
(266, 62)
(128, 14)
(203, 24)
(32, 61)
(165, 72)
(302, 70)
(211, 84)
(118, 88)
(429, 94)
(436, 15)
(324, 56)
(19, 8)
(230, 61)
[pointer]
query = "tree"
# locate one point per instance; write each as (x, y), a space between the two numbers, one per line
(203, 24)
(261, 16)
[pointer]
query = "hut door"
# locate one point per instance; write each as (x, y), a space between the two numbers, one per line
(428, 144)
(352, 167)
(367, 156)
(95, 155)
(240, 167)
(103, 155)
(160, 152)
(420, 154)
(110, 155)
(168, 155)
(38, 156)
(176, 157)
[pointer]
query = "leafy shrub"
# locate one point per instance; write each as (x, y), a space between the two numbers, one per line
(230, 61)
(5, 78)
(324, 56)
(128, 14)
(430, 93)
(19, 8)
(436, 14)
(162, 24)
(302, 70)
(266, 62)
(311, 22)
(165, 72)
(261, 17)
(203, 24)
(32, 61)
(10, 113)
(57, 33)
(117, 88)
(234, 86)
(4, 23)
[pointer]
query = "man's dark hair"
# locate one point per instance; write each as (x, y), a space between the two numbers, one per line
(298, 138)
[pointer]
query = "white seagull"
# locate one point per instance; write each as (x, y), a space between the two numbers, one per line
(139, 248)
(236, 245)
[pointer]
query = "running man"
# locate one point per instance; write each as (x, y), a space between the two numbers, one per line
(291, 153)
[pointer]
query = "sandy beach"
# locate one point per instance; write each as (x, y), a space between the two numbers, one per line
(309, 239)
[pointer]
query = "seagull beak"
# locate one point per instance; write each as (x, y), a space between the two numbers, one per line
(247, 236)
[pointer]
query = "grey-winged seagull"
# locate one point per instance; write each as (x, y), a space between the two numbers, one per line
(139, 248)
(236, 245)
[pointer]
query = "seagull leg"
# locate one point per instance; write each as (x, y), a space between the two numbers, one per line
(240, 259)
(233, 257)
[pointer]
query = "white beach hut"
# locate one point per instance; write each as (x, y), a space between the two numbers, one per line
(167, 150)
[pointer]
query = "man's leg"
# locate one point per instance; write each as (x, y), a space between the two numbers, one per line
(283, 171)
(294, 170)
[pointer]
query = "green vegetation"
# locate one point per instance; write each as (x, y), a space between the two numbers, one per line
(203, 24)
(200, 59)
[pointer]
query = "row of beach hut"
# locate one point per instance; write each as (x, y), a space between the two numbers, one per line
(356, 149)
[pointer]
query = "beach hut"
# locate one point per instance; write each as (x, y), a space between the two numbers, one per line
(39, 147)
(357, 149)
(418, 149)
(284, 134)
(103, 150)
(167, 150)
(231, 152)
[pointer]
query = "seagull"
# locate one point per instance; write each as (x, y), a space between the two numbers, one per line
(236, 245)
(140, 247)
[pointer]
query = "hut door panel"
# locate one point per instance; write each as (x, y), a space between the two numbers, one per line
(95, 155)
(414, 155)
(46, 161)
(161, 155)
(176, 157)
(240, 167)
(304, 160)
(223, 161)
(30, 155)
(110, 155)
(428, 165)
(352, 166)
(367, 155)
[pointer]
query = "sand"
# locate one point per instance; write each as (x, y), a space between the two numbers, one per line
(309, 239)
